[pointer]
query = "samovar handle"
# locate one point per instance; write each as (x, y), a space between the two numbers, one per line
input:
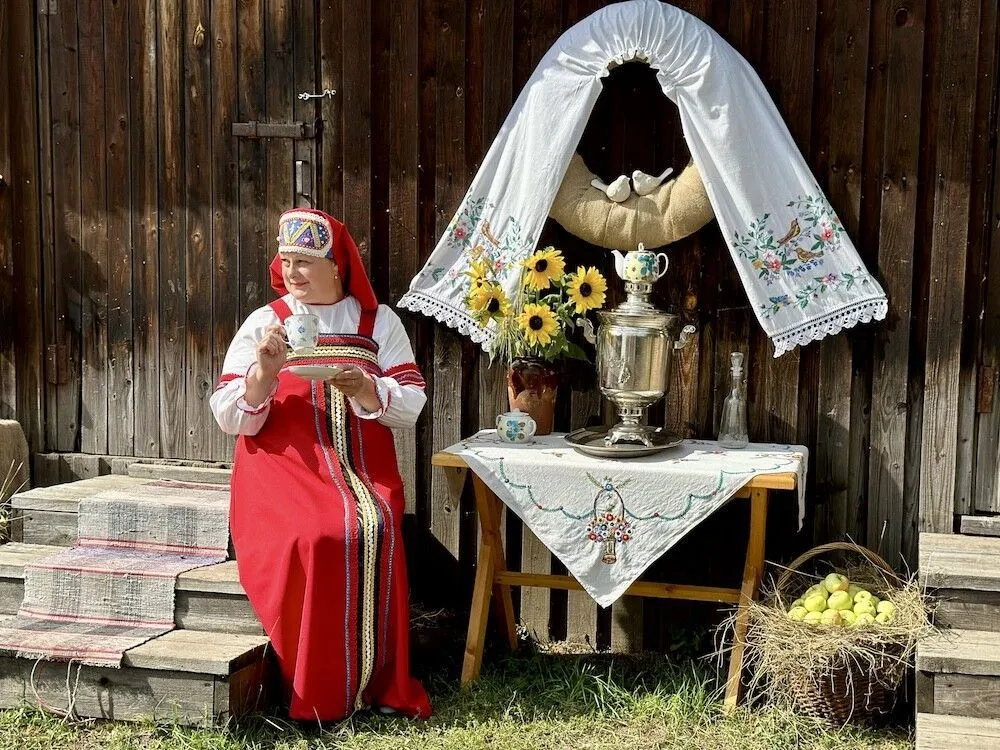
(686, 333)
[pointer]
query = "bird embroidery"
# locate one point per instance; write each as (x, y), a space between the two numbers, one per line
(805, 255)
(489, 235)
(793, 231)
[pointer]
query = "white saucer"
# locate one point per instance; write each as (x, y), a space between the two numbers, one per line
(316, 372)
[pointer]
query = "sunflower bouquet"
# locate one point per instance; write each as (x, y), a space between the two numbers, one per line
(549, 302)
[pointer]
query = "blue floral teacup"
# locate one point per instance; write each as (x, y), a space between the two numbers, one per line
(515, 427)
(302, 332)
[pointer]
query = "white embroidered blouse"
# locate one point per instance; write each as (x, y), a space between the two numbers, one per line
(400, 389)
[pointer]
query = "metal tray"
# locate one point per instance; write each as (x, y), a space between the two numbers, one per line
(590, 440)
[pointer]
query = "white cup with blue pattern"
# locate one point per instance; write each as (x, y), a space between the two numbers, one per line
(515, 427)
(302, 332)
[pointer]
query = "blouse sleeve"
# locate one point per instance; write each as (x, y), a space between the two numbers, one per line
(401, 388)
(234, 415)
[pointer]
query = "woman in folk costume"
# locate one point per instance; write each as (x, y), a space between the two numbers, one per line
(317, 499)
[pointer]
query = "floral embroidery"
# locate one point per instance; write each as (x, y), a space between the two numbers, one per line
(814, 231)
(819, 286)
(608, 524)
(480, 242)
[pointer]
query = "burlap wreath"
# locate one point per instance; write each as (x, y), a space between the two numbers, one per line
(671, 212)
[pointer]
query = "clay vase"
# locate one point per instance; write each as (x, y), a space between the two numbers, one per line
(531, 387)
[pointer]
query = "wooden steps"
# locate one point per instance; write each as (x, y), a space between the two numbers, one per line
(47, 515)
(940, 732)
(184, 676)
(216, 665)
(958, 670)
(209, 598)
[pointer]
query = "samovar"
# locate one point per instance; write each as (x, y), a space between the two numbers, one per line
(635, 347)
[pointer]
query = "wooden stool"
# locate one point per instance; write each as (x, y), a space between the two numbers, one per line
(493, 580)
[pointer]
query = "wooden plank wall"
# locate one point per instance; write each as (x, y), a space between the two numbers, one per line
(139, 231)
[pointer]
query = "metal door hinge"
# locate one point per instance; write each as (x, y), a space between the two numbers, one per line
(57, 364)
(987, 389)
(254, 129)
(48, 7)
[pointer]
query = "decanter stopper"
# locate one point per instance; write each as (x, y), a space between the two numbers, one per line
(733, 427)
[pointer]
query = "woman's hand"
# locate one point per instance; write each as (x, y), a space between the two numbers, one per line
(354, 383)
(271, 354)
(272, 351)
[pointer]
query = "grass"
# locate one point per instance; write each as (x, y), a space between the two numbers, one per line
(531, 701)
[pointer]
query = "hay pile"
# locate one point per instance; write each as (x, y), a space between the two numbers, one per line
(834, 673)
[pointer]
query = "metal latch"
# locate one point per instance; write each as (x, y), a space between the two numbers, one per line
(254, 129)
(48, 7)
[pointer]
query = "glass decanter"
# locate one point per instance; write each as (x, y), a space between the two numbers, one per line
(733, 427)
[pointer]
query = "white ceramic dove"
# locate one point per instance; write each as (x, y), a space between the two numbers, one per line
(645, 184)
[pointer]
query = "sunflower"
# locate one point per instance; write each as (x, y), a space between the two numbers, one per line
(479, 274)
(543, 267)
(489, 303)
(586, 289)
(538, 323)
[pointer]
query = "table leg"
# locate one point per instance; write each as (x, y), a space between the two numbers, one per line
(491, 560)
(753, 569)
(490, 509)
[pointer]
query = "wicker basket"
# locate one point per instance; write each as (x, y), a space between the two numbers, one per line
(847, 692)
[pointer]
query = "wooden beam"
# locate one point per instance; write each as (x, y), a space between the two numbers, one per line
(640, 588)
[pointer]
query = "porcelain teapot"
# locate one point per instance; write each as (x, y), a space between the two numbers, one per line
(640, 266)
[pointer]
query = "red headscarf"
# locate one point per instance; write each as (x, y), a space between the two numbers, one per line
(344, 253)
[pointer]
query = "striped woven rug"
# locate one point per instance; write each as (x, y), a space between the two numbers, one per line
(115, 589)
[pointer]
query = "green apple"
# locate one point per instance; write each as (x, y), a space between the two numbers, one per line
(797, 613)
(796, 603)
(812, 618)
(836, 582)
(864, 608)
(863, 596)
(832, 618)
(819, 588)
(848, 617)
(853, 589)
(864, 620)
(886, 606)
(885, 618)
(815, 603)
(839, 600)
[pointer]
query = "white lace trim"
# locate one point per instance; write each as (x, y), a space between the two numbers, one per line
(830, 324)
(450, 316)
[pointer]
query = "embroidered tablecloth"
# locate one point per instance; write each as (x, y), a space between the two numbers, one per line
(608, 520)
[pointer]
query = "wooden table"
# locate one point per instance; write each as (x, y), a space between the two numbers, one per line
(493, 580)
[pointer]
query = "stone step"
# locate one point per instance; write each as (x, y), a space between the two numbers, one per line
(207, 599)
(48, 515)
(184, 676)
(940, 732)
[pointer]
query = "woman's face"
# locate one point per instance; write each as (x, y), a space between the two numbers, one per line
(311, 280)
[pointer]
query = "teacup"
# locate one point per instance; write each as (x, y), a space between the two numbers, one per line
(515, 427)
(643, 266)
(302, 332)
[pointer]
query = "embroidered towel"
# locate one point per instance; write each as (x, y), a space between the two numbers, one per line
(802, 274)
(607, 520)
